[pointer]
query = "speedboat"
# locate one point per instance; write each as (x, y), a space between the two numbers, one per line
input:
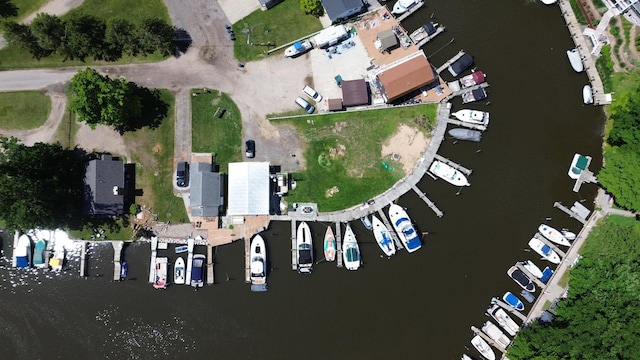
(197, 271)
(474, 95)
(521, 279)
(463, 63)
(532, 268)
(477, 77)
(568, 234)
(587, 95)
(579, 164)
(553, 235)
(548, 2)
(124, 270)
(402, 6)
(350, 250)
(366, 222)
(179, 271)
(304, 247)
(513, 301)
(481, 345)
(574, 59)
(465, 357)
(160, 281)
(298, 48)
(258, 261)
(448, 173)
(329, 245)
(496, 334)
(22, 250)
(383, 236)
(466, 134)
(544, 250)
(181, 249)
(504, 320)
(426, 32)
(403, 226)
(38, 254)
(472, 116)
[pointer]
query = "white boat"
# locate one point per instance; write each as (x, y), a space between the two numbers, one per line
(496, 334)
(350, 250)
(548, 2)
(179, 271)
(483, 347)
(258, 256)
(329, 245)
(472, 116)
(160, 281)
(383, 236)
(568, 234)
(402, 6)
(579, 163)
(304, 247)
(465, 357)
(466, 134)
(474, 95)
(298, 48)
(574, 59)
(544, 250)
(477, 77)
(587, 95)
(521, 279)
(402, 224)
(504, 320)
(22, 252)
(532, 268)
(448, 173)
(426, 32)
(553, 235)
(366, 222)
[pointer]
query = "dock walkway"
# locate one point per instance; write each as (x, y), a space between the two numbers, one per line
(454, 165)
(294, 250)
(488, 339)
(450, 61)
(247, 260)
(569, 212)
(117, 256)
(409, 12)
(339, 244)
(467, 125)
(550, 244)
(429, 203)
(530, 275)
(508, 308)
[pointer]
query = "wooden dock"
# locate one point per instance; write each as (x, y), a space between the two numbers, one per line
(488, 339)
(508, 308)
(190, 244)
(154, 254)
(467, 125)
(409, 12)
(586, 176)
(338, 244)
(83, 259)
(210, 277)
(392, 232)
(530, 275)
(422, 42)
(14, 259)
(429, 203)
(117, 256)
(247, 260)
(294, 250)
(569, 212)
(551, 245)
(454, 165)
(450, 61)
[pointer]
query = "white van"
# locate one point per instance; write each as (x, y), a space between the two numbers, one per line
(305, 105)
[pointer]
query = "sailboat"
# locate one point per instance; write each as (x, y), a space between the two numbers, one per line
(329, 245)
(383, 236)
(350, 250)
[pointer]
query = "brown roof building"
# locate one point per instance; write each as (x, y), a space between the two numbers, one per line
(354, 93)
(405, 75)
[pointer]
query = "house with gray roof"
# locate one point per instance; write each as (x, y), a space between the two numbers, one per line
(104, 187)
(207, 191)
(343, 9)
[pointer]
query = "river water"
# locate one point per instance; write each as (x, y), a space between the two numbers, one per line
(419, 305)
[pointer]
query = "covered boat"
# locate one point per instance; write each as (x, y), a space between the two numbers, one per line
(477, 77)
(472, 116)
(298, 48)
(329, 245)
(124, 270)
(504, 320)
(403, 226)
(513, 301)
(532, 268)
(544, 250)
(466, 134)
(39, 250)
(22, 251)
(383, 236)
(579, 164)
(495, 334)
(402, 6)
(179, 271)
(258, 256)
(574, 59)
(553, 235)
(304, 247)
(521, 279)
(448, 173)
(426, 32)
(160, 281)
(350, 250)
(474, 95)
(587, 95)
(481, 345)
(197, 271)
(57, 260)
(463, 63)
(366, 222)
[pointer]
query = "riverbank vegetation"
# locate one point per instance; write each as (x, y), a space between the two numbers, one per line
(600, 318)
(23, 110)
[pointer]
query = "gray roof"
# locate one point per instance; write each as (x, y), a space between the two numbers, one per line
(101, 177)
(206, 190)
(337, 9)
(387, 39)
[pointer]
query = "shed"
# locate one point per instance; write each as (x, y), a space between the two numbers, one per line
(104, 187)
(387, 40)
(354, 93)
(207, 195)
(343, 9)
(335, 104)
(249, 188)
(404, 76)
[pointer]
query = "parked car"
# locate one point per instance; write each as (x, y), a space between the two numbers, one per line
(305, 105)
(314, 95)
(232, 36)
(182, 175)
(251, 149)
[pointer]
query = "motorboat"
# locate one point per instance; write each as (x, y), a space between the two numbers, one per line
(402, 224)
(383, 236)
(532, 268)
(258, 256)
(587, 95)
(197, 271)
(475, 78)
(160, 281)
(466, 134)
(472, 116)
(182, 249)
(39, 250)
(298, 48)
(521, 279)
(574, 59)
(350, 250)
(481, 345)
(461, 64)
(474, 95)
(448, 173)
(124, 270)
(304, 247)
(179, 271)
(22, 251)
(426, 32)
(496, 334)
(546, 274)
(366, 222)
(402, 6)
(579, 163)
(504, 320)
(548, 2)
(329, 245)
(544, 250)
(568, 234)
(513, 301)
(57, 260)
(465, 357)
(553, 235)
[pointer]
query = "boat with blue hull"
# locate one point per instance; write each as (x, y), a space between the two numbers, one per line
(383, 236)
(513, 301)
(402, 224)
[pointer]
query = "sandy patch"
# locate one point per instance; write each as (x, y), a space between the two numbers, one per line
(409, 143)
(102, 139)
(54, 7)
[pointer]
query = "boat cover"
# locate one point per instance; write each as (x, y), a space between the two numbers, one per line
(429, 28)
(479, 94)
(462, 64)
(298, 46)
(520, 277)
(546, 250)
(352, 254)
(478, 77)
(257, 267)
(304, 257)
(22, 262)
(546, 274)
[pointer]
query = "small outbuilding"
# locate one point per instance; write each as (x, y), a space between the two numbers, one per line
(355, 93)
(335, 104)
(386, 41)
(249, 188)
(342, 9)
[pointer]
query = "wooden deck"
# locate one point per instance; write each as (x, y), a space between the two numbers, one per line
(338, 244)
(454, 165)
(117, 256)
(569, 212)
(450, 61)
(508, 308)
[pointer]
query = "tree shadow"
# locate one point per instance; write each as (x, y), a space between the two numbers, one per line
(154, 110)
(7, 9)
(183, 41)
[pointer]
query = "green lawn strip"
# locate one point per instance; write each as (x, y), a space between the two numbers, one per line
(113, 230)
(26, 7)
(344, 153)
(578, 12)
(133, 11)
(604, 65)
(278, 26)
(221, 136)
(23, 110)
(67, 129)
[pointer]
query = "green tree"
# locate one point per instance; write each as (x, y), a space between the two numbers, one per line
(156, 35)
(85, 37)
(119, 39)
(99, 99)
(625, 113)
(20, 35)
(7, 9)
(312, 7)
(620, 175)
(48, 31)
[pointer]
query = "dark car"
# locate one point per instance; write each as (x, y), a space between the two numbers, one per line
(251, 149)
(232, 36)
(182, 175)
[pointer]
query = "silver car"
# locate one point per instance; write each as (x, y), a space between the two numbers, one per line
(305, 105)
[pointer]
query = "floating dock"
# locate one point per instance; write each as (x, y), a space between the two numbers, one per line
(83, 259)
(409, 12)
(551, 245)
(530, 275)
(467, 125)
(429, 203)
(117, 256)
(450, 61)
(422, 42)
(569, 212)
(154, 254)
(294, 251)
(338, 244)
(488, 339)
(508, 308)
(190, 244)
(454, 165)
(392, 231)
(210, 277)
(247, 260)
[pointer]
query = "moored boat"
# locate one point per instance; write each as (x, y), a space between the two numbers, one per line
(574, 59)
(197, 271)
(383, 236)
(57, 260)
(553, 235)
(474, 95)
(513, 301)
(544, 250)
(329, 245)
(179, 271)
(402, 6)
(466, 134)
(39, 249)
(426, 32)
(366, 222)
(448, 173)
(402, 224)
(160, 281)
(472, 116)
(298, 48)
(548, 2)
(124, 270)
(461, 64)
(579, 163)
(521, 279)
(495, 334)
(181, 249)
(350, 250)
(587, 95)
(483, 348)
(304, 247)
(504, 320)
(22, 250)
(532, 268)
(568, 234)
(258, 256)
(475, 78)
(465, 357)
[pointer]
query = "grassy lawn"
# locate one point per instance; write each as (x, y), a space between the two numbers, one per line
(280, 25)
(344, 151)
(113, 230)
(220, 136)
(67, 130)
(26, 7)
(23, 110)
(13, 57)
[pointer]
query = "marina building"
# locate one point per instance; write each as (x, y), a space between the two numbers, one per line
(401, 77)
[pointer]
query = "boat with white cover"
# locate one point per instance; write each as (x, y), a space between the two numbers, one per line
(504, 320)
(426, 32)
(383, 236)
(466, 134)
(568, 234)
(179, 271)
(350, 250)
(448, 173)
(304, 248)
(402, 224)
(402, 6)
(544, 250)
(496, 334)
(521, 279)
(553, 235)
(574, 59)
(587, 95)
(532, 268)
(22, 251)
(472, 116)
(329, 245)
(481, 345)
(258, 256)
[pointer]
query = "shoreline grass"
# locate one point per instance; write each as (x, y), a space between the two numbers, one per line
(23, 110)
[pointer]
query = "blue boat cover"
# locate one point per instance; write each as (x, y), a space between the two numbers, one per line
(546, 274)
(399, 221)
(298, 46)
(546, 250)
(22, 262)
(413, 243)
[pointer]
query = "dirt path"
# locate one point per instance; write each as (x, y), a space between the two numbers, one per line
(54, 7)
(101, 139)
(45, 132)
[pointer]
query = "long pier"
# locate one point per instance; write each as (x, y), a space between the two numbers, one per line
(569, 212)
(392, 232)
(467, 125)
(488, 339)
(454, 165)
(409, 12)
(247, 260)
(338, 244)
(154, 254)
(550, 244)
(83, 260)
(586, 176)
(117, 256)
(210, 276)
(294, 250)
(530, 275)
(190, 244)
(429, 203)
(450, 61)
(428, 38)
(508, 308)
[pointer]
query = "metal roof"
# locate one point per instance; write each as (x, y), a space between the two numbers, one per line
(249, 187)
(206, 190)
(104, 177)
